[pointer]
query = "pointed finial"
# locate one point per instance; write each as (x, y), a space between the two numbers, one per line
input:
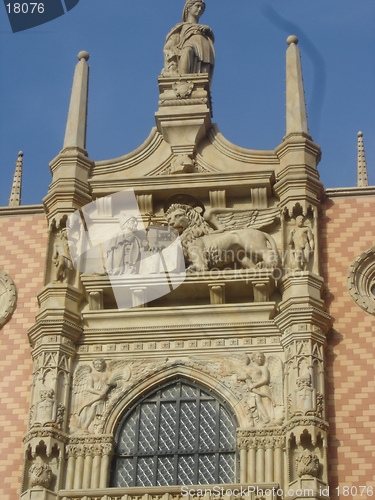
(15, 194)
(362, 179)
(75, 133)
(296, 118)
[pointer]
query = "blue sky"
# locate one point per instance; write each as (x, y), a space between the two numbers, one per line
(125, 40)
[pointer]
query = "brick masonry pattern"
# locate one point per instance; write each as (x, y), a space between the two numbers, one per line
(348, 230)
(23, 246)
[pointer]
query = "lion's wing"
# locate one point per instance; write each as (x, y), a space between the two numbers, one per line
(229, 218)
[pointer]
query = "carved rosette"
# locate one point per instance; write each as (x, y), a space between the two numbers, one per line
(40, 474)
(307, 464)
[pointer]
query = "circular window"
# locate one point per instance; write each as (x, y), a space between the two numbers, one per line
(361, 280)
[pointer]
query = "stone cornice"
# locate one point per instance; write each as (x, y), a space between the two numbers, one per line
(21, 210)
(345, 192)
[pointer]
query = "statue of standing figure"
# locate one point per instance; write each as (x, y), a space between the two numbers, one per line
(189, 46)
(301, 241)
(61, 257)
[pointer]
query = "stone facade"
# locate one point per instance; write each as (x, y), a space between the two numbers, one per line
(186, 294)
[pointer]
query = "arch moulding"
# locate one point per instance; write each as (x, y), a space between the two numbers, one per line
(150, 382)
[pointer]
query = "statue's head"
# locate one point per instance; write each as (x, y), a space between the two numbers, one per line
(300, 220)
(99, 364)
(188, 5)
(127, 221)
(259, 358)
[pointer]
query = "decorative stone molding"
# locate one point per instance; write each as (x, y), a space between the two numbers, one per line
(42, 433)
(361, 280)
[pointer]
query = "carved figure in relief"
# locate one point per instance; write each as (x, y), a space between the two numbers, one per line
(91, 390)
(45, 408)
(204, 248)
(301, 241)
(305, 395)
(61, 257)
(256, 380)
(40, 474)
(257, 377)
(189, 46)
(307, 464)
(123, 250)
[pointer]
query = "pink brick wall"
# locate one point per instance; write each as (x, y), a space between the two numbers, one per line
(23, 246)
(347, 231)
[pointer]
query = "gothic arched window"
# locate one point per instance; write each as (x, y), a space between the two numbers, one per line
(179, 434)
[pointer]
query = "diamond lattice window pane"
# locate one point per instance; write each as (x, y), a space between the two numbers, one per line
(226, 468)
(124, 472)
(170, 392)
(145, 471)
(207, 425)
(165, 471)
(186, 464)
(126, 445)
(227, 434)
(187, 391)
(167, 427)
(206, 469)
(188, 419)
(147, 428)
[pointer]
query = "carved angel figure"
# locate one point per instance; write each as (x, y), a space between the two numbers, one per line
(258, 379)
(234, 239)
(91, 389)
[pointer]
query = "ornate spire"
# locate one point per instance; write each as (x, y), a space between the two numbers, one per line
(15, 194)
(296, 119)
(75, 133)
(362, 179)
